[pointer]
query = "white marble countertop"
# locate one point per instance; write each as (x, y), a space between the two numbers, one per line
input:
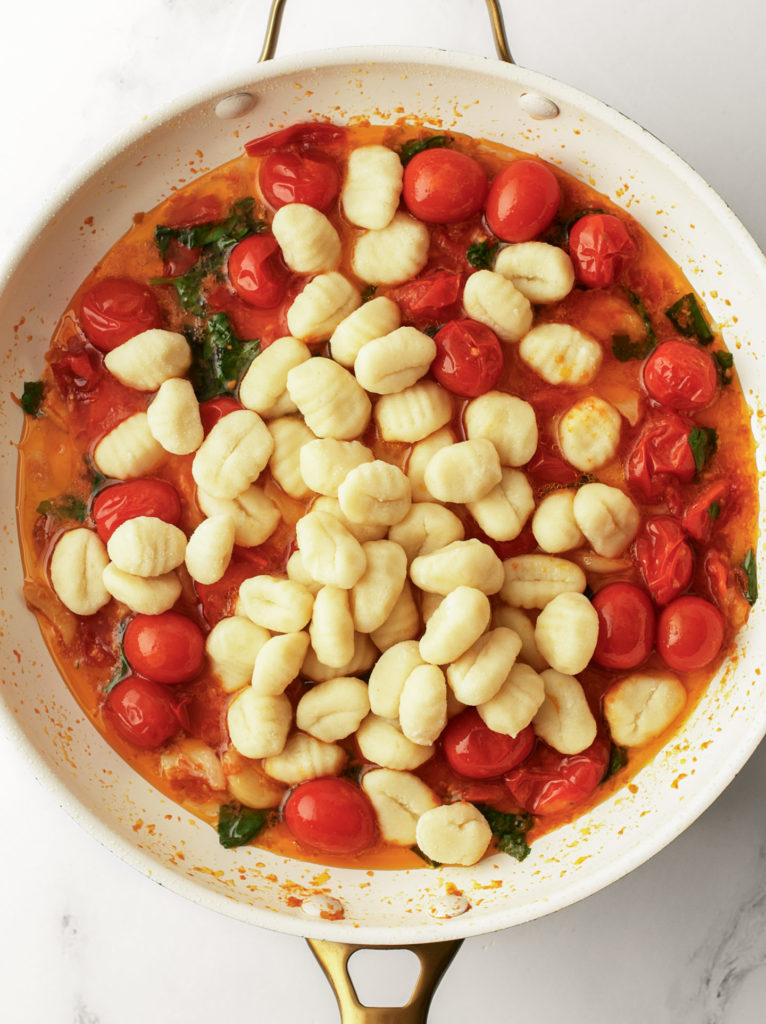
(86, 940)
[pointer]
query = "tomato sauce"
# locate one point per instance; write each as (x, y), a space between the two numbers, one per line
(83, 402)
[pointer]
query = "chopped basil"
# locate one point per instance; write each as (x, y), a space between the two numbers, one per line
(219, 357)
(432, 330)
(238, 825)
(122, 669)
(688, 319)
(369, 292)
(423, 856)
(714, 509)
(618, 758)
(748, 564)
(509, 830)
(623, 346)
(724, 364)
(66, 506)
(703, 442)
(32, 397)
(482, 254)
(415, 146)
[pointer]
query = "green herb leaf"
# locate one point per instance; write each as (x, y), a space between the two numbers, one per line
(618, 758)
(509, 830)
(751, 593)
(219, 357)
(32, 397)
(369, 292)
(714, 509)
(429, 862)
(724, 364)
(482, 254)
(688, 319)
(703, 442)
(122, 669)
(415, 146)
(66, 506)
(238, 825)
(623, 346)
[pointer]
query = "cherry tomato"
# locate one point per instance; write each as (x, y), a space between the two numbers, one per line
(306, 134)
(469, 359)
(689, 633)
(665, 557)
(601, 247)
(331, 815)
(168, 648)
(474, 750)
(548, 782)
(187, 211)
(256, 271)
(77, 374)
(309, 177)
(443, 186)
(660, 453)
(429, 297)
(214, 409)
(120, 502)
(523, 200)
(703, 512)
(117, 309)
(143, 712)
(626, 626)
(681, 376)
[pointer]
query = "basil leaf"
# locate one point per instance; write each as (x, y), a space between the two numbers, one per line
(32, 397)
(509, 830)
(703, 442)
(714, 509)
(415, 146)
(122, 669)
(618, 758)
(482, 254)
(748, 564)
(429, 862)
(724, 364)
(66, 506)
(238, 825)
(369, 292)
(688, 319)
(219, 357)
(623, 347)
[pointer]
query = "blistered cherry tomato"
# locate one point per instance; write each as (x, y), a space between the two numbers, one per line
(523, 200)
(548, 781)
(305, 135)
(120, 502)
(626, 625)
(331, 815)
(681, 376)
(702, 513)
(256, 271)
(309, 177)
(143, 712)
(168, 648)
(690, 633)
(117, 309)
(476, 751)
(429, 297)
(469, 359)
(601, 247)
(214, 409)
(443, 186)
(665, 557)
(660, 453)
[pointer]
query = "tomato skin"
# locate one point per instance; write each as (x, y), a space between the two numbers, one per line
(144, 497)
(660, 454)
(477, 752)
(331, 815)
(256, 271)
(117, 309)
(681, 376)
(697, 520)
(626, 626)
(443, 186)
(469, 358)
(523, 200)
(143, 712)
(429, 297)
(600, 247)
(665, 557)
(306, 134)
(690, 633)
(167, 648)
(214, 409)
(549, 782)
(310, 177)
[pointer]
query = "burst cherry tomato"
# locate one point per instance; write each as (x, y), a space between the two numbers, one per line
(120, 502)
(703, 512)
(308, 177)
(168, 648)
(548, 782)
(690, 633)
(660, 454)
(430, 297)
(117, 309)
(476, 751)
(523, 200)
(257, 272)
(331, 815)
(469, 359)
(626, 625)
(601, 247)
(443, 186)
(214, 409)
(143, 712)
(681, 376)
(665, 557)
(305, 135)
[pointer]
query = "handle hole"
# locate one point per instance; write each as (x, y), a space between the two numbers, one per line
(384, 984)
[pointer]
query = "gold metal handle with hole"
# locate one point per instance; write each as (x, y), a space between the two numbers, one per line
(434, 957)
(493, 10)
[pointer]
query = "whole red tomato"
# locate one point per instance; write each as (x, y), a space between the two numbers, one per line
(469, 358)
(168, 648)
(600, 247)
(476, 751)
(690, 633)
(681, 376)
(332, 816)
(523, 200)
(143, 497)
(443, 186)
(307, 176)
(626, 626)
(117, 309)
(143, 712)
(256, 271)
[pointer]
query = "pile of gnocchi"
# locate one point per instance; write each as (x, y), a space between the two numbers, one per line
(434, 549)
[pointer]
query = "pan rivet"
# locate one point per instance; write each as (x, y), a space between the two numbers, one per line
(537, 106)
(320, 905)
(236, 105)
